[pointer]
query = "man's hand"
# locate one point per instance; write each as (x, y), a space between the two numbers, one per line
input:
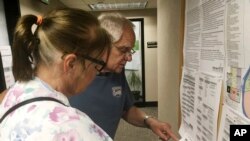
(161, 129)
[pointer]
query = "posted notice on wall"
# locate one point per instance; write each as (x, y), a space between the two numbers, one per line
(230, 117)
(7, 65)
(200, 98)
(216, 47)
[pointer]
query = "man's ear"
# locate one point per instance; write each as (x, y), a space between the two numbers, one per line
(69, 62)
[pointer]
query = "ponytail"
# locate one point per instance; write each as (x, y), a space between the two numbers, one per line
(25, 43)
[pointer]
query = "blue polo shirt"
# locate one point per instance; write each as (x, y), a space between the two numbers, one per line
(105, 100)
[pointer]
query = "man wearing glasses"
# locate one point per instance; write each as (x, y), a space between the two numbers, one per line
(108, 97)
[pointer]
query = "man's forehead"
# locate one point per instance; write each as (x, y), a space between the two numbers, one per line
(124, 44)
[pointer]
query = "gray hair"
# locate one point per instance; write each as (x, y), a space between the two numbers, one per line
(114, 24)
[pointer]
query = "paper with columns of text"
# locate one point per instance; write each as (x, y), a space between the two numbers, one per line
(7, 65)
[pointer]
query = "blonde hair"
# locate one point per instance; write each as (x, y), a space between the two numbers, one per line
(61, 31)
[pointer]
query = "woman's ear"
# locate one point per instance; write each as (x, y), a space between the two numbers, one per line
(69, 62)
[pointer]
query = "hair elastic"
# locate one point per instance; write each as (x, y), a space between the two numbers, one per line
(39, 20)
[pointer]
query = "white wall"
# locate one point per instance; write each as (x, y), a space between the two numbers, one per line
(168, 23)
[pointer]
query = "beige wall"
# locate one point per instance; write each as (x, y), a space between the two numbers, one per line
(168, 23)
(36, 7)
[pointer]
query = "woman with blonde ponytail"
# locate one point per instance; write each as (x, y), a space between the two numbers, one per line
(58, 60)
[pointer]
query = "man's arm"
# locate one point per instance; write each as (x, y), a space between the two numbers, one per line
(139, 118)
(135, 116)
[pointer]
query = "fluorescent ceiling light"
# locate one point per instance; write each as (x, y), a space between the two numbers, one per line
(118, 6)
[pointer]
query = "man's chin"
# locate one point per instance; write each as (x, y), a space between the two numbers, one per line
(119, 70)
(115, 70)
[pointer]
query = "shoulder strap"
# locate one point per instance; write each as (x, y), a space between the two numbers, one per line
(29, 101)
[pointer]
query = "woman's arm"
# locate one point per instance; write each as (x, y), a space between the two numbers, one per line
(2, 95)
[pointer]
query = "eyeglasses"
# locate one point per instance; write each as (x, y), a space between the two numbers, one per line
(125, 51)
(100, 63)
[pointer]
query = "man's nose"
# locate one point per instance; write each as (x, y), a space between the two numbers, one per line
(128, 57)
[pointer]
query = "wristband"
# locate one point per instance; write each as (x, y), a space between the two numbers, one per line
(146, 117)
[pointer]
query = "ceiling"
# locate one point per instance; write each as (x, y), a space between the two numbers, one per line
(83, 4)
